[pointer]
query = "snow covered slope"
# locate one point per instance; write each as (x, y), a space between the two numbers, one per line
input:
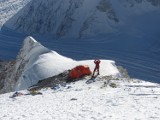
(8, 8)
(35, 62)
(134, 100)
(41, 63)
(72, 18)
(133, 41)
(77, 18)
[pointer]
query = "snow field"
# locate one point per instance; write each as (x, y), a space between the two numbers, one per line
(88, 102)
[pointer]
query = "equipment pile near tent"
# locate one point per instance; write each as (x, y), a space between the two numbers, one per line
(61, 79)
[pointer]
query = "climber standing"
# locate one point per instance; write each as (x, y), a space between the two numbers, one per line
(96, 62)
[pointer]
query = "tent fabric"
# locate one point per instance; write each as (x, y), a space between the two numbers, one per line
(79, 71)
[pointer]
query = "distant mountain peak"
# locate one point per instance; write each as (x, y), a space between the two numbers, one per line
(77, 18)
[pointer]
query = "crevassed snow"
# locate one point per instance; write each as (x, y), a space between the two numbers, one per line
(43, 63)
(131, 101)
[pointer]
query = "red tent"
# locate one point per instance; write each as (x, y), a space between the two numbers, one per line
(79, 71)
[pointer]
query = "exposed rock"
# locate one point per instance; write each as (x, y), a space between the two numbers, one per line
(105, 6)
(51, 82)
(123, 72)
(6, 68)
(10, 72)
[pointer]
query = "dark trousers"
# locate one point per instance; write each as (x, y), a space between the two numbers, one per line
(96, 69)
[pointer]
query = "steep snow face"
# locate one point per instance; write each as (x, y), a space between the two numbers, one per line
(35, 62)
(8, 8)
(77, 18)
(65, 18)
(128, 8)
(24, 58)
(152, 2)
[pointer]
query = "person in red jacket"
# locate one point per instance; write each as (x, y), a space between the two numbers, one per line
(96, 62)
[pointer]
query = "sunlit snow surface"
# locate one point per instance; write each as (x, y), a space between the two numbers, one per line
(135, 45)
(138, 50)
(134, 100)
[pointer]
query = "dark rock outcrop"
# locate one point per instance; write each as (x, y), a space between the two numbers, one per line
(59, 79)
